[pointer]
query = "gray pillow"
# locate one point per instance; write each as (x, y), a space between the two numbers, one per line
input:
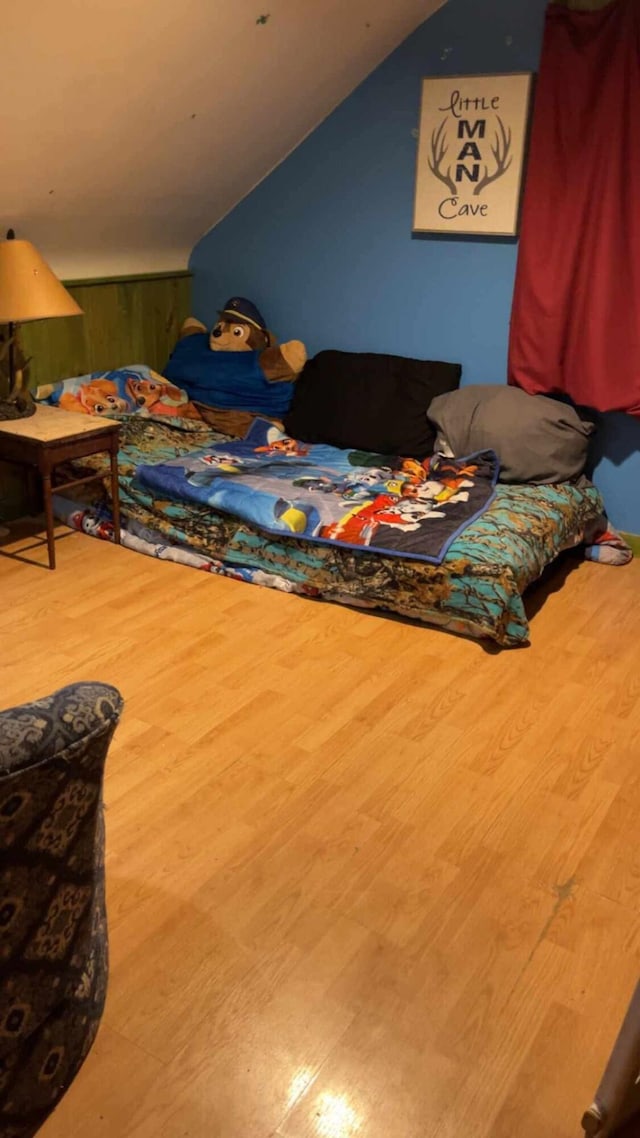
(537, 439)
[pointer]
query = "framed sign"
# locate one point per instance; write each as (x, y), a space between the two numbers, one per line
(473, 131)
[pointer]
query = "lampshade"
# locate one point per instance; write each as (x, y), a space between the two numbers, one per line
(29, 289)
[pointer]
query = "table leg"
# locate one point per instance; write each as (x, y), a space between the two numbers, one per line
(48, 513)
(115, 491)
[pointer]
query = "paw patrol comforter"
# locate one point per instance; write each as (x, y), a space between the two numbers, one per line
(399, 507)
(477, 590)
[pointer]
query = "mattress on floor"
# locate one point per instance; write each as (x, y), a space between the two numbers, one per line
(477, 590)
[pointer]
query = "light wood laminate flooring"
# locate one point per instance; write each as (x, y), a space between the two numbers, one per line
(365, 879)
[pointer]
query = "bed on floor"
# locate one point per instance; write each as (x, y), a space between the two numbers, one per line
(320, 504)
(477, 588)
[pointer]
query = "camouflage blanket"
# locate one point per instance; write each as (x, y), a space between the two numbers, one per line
(477, 590)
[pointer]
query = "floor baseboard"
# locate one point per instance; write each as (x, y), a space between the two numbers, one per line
(633, 540)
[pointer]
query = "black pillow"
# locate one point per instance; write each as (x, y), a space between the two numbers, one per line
(368, 401)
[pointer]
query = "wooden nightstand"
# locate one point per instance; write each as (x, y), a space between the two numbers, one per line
(50, 437)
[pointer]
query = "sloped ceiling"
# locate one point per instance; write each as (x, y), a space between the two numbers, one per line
(130, 127)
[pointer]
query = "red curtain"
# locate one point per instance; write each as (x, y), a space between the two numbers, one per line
(575, 322)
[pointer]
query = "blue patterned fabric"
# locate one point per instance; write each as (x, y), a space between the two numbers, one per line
(53, 932)
(352, 499)
(477, 590)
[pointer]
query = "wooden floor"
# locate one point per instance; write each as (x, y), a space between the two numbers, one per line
(365, 879)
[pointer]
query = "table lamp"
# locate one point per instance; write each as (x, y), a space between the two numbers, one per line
(29, 290)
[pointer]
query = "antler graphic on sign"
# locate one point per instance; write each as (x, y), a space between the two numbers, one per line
(438, 151)
(501, 153)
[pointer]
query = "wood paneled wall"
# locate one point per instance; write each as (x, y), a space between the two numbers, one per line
(132, 320)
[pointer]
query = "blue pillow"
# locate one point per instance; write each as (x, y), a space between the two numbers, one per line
(233, 381)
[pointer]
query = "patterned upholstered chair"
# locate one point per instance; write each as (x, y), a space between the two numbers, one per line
(53, 934)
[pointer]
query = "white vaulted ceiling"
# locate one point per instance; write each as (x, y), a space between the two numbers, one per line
(130, 127)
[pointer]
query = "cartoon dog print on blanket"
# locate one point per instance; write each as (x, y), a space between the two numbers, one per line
(156, 397)
(99, 397)
(125, 391)
(290, 447)
(360, 525)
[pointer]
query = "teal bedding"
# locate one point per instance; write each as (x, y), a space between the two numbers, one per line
(476, 590)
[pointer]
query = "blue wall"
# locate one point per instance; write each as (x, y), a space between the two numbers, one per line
(324, 244)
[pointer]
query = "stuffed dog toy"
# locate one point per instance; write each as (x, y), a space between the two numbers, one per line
(241, 328)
